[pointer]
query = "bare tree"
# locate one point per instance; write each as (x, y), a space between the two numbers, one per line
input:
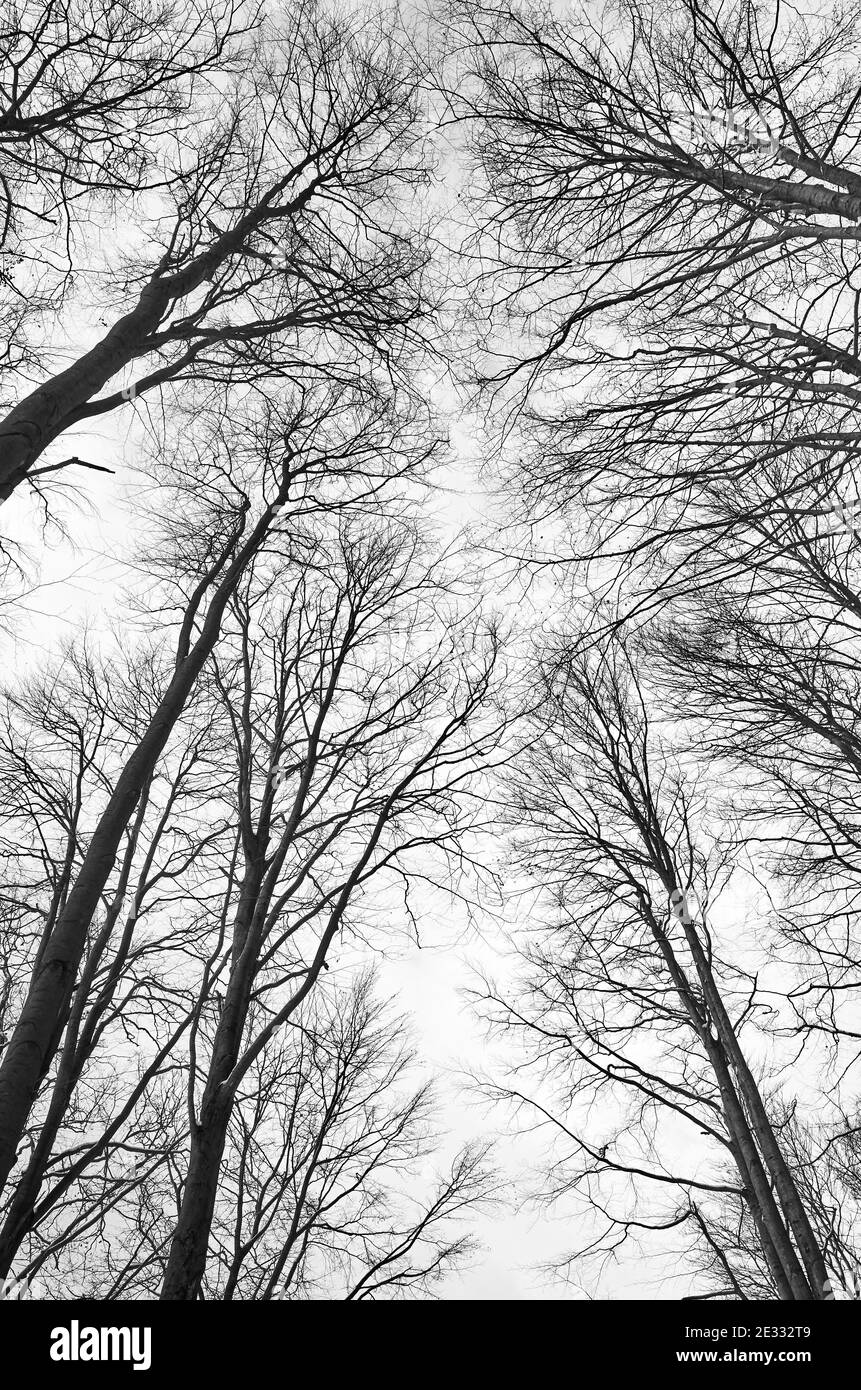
(324, 1136)
(323, 1193)
(629, 997)
(64, 738)
(90, 93)
(352, 762)
(667, 216)
(670, 216)
(354, 727)
(726, 1252)
(212, 562)
(275, 240)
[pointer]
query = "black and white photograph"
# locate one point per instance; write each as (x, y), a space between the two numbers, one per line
(430, 685)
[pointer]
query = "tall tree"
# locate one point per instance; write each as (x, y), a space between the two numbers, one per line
(212, 561)
(628, 994)
(277, 237)
(324, 1190)
(667, 209)
(668, 213)
(353, 756)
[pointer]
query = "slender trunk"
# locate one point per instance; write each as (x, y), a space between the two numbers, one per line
(36, 1035)
(790, 1200)
(777, 1248)
(772, 1259)
(775, 1240)
(187, 1259)
(76, 1050)
(190, 1241)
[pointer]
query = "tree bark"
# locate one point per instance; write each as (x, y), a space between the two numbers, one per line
(777, 1246)
(766, 1139)
(190, 1242)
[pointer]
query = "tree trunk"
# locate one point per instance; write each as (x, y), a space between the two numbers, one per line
(777, 1248)
(775, 1239)
(190, 1242)
(61, 401)
(766, 1139)
(36, 1036)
